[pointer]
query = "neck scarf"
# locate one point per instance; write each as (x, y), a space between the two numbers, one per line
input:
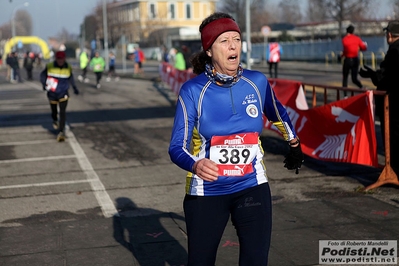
(222, 79)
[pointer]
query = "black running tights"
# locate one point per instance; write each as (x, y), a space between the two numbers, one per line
(207, 216)
(54, 113)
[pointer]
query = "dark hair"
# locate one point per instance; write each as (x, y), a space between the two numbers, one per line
(198, 60)
(350, 29)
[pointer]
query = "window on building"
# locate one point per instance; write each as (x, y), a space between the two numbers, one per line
(130, 11)
(172, 11)
(136, 12)
(152, 12)
(188, 11)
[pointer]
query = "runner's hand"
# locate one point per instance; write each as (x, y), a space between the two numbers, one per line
(206, 169)
(294, 159)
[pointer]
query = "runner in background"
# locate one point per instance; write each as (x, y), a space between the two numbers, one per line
(139, 59)
(273, 55)
(351, 44)
(97, 63)
(83, 63)
(111, 71)
(55, 79)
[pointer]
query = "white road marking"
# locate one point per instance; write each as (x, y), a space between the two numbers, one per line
(13, 101)
(23, 129)
(46, 184)
(104, 200)
(27, 142)
(21, 107)
(38, 159)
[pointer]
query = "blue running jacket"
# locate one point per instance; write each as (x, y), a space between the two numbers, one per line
(224, 125)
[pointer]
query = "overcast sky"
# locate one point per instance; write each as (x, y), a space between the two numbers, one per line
(50, 16)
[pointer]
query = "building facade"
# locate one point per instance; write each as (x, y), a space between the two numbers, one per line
(154, 22)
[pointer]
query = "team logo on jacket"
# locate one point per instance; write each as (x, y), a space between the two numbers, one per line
(252, 110)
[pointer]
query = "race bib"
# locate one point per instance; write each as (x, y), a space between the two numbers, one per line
(97, 67)
(51, 84)
(234, 154)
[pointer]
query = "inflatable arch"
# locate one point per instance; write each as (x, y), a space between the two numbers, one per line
(26, 40)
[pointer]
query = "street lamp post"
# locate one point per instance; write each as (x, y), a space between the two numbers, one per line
(13, 18)
(105, 31)
(248, 32)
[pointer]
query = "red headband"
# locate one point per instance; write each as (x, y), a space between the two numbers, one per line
(211, 31)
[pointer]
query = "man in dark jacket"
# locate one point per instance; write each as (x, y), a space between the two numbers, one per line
(55, 78)
(28, 64)
(12, 61)
(10, 76)
(386, 79)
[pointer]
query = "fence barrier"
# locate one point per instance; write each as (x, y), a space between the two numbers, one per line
(365, 58)
(388, 175)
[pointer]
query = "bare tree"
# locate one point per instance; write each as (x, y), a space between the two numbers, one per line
(64, 36)
(316, 11)
(290, 11)
(340, 10)
(5, 30)
(157, 35)
(90, 27)
(395, 8)
(23, 23)
(259, 15)
(113, 24)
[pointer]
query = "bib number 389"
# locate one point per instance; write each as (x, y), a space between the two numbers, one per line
(234, 154)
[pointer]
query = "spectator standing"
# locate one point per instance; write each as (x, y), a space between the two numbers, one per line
(55, 79)
(187, 54)
(97, 63)
(165, 54)
(14, 64)
(10, 74)
(28, 64)
(111, 71)
(273, 55)
(83, 63)
(139, 58)
(351, 44)
(172, 56)
(39, 59)
(215, 137)
(386, 79)
(180, 62)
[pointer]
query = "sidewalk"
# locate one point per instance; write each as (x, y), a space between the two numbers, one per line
(321, 203)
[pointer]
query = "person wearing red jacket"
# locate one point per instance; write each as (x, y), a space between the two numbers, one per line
(351, 46)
